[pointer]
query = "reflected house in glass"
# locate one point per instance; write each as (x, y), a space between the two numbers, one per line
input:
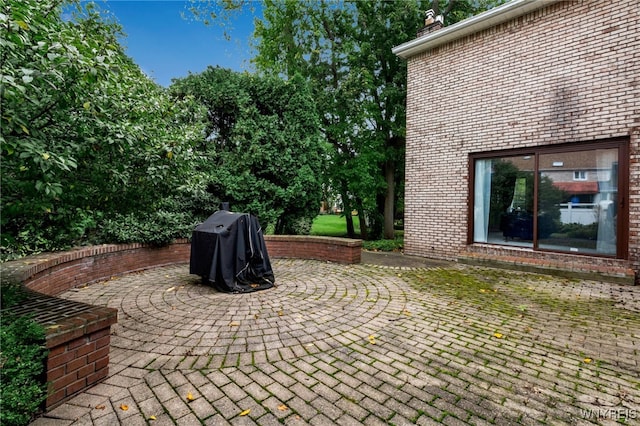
(532, 157)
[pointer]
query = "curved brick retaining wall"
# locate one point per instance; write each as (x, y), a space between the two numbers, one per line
(78, 335)
(340, 250)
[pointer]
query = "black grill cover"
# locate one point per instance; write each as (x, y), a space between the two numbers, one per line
(228, 251)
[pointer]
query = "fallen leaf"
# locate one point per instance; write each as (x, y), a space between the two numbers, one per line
(280, 313)
(283, 407)
(100, 407)
(190, 397)
(245, 412)
(372, 300)
(171, 288)
(407, 312)
(124, 407)
(588, 360)
(152, 417)
(498, 335)
(234, 324)
(372, 339)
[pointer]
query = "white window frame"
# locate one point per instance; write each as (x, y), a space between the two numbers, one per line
(580, 175)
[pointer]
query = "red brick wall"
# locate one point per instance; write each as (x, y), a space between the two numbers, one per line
(78, 335)
(77, 338)
(54, 273)
(76, 365)
(338, 250)
(569, 72)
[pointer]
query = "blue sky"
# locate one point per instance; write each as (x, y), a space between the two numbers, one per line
(166, 42)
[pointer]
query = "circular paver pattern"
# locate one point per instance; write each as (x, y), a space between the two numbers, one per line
(315, 306)
(363, 344)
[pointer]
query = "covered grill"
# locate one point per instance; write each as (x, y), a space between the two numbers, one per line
(228, 251)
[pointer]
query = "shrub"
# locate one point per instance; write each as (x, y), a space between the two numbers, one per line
(11, 294)
(21, 369)
(576, 230)
(547, 225)
(157, 228)
(384, 245)
(293, 225)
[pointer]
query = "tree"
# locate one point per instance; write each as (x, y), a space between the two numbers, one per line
(264, 153)
(343, 49)
(86, 135)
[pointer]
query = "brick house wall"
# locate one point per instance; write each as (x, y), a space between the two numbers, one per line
(564, 72)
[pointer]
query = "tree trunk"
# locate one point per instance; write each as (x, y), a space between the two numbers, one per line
(376, 219)
(351, 231)
(346, 210)
(364, 230)
(389, 201)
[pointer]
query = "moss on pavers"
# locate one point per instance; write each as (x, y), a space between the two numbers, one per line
(435, 356)
(516, 294)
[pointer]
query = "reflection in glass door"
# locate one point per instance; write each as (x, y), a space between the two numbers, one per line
(577, 199)
(503, 200)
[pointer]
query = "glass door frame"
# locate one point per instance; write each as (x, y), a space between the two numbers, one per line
(622, 229)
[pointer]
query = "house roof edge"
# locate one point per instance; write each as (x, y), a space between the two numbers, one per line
(490, 18)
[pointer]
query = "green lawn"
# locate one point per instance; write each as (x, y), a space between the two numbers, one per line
(333, 225)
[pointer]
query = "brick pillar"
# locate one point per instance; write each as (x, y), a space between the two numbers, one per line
(77, 364)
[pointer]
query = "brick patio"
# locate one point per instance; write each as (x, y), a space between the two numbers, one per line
(365, 344)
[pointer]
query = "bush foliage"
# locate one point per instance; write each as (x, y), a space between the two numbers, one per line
(21, 369)
(93, 151)
(264, 150)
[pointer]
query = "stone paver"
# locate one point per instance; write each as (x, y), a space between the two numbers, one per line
(365, 344)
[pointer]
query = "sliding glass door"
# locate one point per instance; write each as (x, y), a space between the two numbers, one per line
(564, 199)
(577, 200)
(503, 200)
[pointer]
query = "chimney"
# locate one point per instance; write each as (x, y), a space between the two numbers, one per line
(431, 23)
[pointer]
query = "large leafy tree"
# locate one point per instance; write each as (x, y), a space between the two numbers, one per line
(343, 48)
(85, 134)
(264, 153)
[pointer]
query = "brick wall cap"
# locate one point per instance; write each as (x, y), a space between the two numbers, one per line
(347, 242)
